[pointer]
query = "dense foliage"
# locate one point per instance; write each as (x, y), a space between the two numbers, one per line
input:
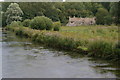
(13, 13)
(102, 16)
(61, 11)
(26, 22)
(0, 15)
(41, 23)
(16, 24)
(56, 26)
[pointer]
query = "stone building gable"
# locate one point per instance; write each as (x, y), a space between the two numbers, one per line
(81, 21)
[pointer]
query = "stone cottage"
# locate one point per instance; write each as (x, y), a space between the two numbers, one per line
(81, 21)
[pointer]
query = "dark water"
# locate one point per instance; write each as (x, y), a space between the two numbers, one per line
(24, 59)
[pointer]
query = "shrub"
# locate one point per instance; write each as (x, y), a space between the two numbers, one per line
(16, 24)
(41, 23)
(26, 23)
(48, 23)
(57, 26)
(19, 32)
(37, 23)
(19, 23)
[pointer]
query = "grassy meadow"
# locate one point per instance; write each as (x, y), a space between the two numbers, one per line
(92, 33)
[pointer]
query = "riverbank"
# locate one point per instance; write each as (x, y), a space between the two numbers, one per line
(39, 61)
(65, 40)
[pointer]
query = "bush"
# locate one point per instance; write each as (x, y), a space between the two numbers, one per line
(19, 32)
(26, 23)
(48, 23)
(19, 23)
(37, 23)
(57, 26)
(41, 23)
(16, 24)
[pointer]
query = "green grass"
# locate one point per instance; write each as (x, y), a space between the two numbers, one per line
(92, 33)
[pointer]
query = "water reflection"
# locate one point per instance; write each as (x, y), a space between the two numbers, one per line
(23, 59)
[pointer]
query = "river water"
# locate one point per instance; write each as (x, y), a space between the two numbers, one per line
(23, 59)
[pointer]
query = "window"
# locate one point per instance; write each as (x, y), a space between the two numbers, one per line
(72, 21)
(91, 22)
(82, 22)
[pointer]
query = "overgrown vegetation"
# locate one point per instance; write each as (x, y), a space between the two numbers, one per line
(26, 23)
(56, 26)
(69, 39)
(16, 24)
(103, 17)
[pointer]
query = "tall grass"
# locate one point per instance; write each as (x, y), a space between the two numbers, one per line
(92, 33)
(101, 49)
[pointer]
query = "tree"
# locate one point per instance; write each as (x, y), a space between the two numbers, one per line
(59, 11)
(13, 13)
(95, 7)
(3, 19)
(0, 15)
(108, 19)
(100, 15)
(106, 5)
(114, 10)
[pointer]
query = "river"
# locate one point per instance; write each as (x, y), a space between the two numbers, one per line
(23, 59)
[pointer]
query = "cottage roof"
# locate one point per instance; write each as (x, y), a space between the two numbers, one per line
(74, 19)
(80, 19)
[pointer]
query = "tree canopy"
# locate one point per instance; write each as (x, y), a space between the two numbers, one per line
(13, 13)
(61, 11)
